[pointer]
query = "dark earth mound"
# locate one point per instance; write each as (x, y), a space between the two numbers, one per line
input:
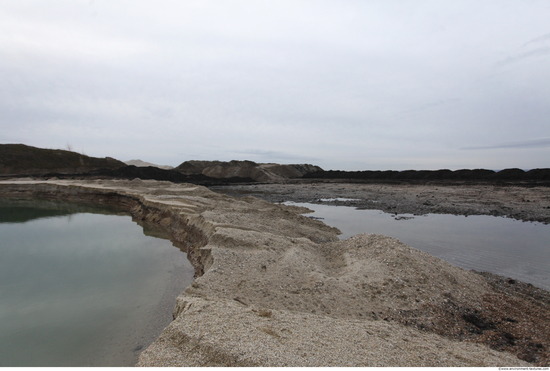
(151, 173)
(197, 166)
(19, 159)
(424, 176)
(269, 172)
(22, 160)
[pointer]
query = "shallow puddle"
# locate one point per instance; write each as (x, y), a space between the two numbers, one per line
(499, 245)
(82, 289)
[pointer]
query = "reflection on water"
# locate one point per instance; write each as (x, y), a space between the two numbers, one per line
(82, 289)
(485, 243)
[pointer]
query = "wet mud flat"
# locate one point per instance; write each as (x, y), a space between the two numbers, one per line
(526, 203)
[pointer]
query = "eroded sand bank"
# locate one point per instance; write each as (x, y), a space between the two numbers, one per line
(276, 288)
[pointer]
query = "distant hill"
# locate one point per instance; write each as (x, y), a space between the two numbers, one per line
(20, 159)
(246, 169)
(140, 163)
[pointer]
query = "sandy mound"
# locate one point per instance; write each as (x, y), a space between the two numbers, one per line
(297, 304)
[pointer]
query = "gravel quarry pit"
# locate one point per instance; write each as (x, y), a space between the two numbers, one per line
(276, 288)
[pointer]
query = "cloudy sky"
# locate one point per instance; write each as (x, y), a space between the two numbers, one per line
(343, 84)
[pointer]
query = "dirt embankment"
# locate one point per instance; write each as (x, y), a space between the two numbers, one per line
(246, 169)
(21, 159)
(276, 288)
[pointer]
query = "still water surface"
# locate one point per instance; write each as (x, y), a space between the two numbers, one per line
(499, 245)
(82, 289)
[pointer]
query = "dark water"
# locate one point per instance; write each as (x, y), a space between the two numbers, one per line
(485, 243)
(82, 289)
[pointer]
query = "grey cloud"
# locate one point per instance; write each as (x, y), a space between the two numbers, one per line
(268, 155)
(343, 85)
(533, 143)
(431, 105)
(540, 52)
(538, 39)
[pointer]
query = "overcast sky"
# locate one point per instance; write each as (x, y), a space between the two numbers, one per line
(350, 85)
